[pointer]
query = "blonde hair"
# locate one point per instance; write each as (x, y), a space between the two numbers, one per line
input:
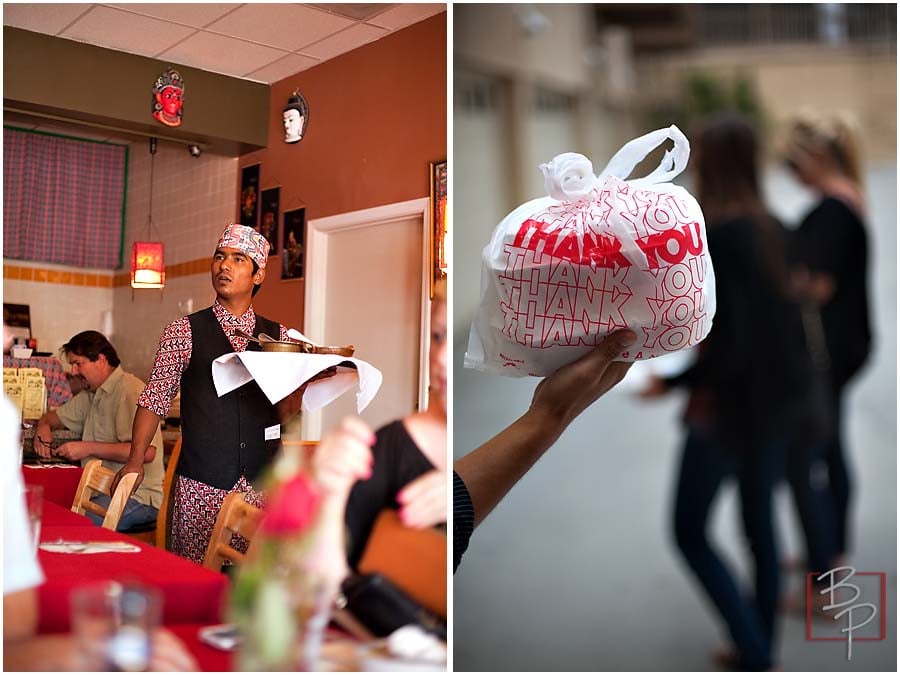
(836, 135)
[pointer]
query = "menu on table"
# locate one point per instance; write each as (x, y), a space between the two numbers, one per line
(27, 389)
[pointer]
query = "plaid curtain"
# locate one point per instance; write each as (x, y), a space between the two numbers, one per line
(63, 200)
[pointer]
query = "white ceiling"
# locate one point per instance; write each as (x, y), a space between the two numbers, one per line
(263, 42)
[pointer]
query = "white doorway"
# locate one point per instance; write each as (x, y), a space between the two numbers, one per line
(367, 284)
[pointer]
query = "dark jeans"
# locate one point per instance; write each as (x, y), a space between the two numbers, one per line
(839, 480)
(822, 507)
(815, 508)
(704, 467)
(133, 515)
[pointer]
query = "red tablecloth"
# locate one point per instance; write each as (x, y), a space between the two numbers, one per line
(58, 389)
(60, 481)
(191, 593)
(55, 515)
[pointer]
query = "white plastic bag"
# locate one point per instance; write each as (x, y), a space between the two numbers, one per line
(598, 255)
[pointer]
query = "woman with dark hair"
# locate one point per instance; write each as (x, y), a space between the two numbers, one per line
(743, 398)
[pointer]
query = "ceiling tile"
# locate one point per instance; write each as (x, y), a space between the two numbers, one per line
(345, 41)
(220, 54)
(406, 15)
(355, 10)
(289, 65)
(47, 18)
(127, 32)
(188, 13)
(287, 26)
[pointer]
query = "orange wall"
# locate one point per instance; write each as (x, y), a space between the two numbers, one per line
(377, 118)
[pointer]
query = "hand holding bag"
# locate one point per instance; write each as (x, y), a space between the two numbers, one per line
(597, 255)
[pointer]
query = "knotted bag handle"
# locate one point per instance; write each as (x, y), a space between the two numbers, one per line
(628, 157)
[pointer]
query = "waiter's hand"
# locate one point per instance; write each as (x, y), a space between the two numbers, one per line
(290, 404)
(130, 467)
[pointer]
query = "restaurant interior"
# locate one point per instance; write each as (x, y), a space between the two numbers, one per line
(352, 200)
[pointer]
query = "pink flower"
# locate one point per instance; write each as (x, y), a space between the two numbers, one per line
(292, 507)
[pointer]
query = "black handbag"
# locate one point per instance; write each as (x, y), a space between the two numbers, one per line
(382, 608)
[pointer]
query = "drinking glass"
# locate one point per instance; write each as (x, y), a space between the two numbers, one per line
(114, 624)
(34, 503)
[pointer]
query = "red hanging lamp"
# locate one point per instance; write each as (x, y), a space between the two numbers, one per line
(148, 268)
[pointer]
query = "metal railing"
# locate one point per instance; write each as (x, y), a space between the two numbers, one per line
(828, 23)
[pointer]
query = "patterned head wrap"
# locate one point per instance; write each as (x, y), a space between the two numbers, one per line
(248, 240)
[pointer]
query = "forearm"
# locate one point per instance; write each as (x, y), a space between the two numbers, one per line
(142, 431)
(115, 452)
(491, 470)
(50, 420)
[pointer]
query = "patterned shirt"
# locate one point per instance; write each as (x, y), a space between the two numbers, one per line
(174, 354)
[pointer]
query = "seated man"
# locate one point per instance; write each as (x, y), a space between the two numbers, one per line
(103, 414)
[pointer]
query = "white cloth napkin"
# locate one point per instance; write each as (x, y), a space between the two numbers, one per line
(89, 547)
(280, 373)
(58, 465)
(411, 642)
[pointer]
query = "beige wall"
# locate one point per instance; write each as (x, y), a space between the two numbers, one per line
(58, 311)
(491, 38)
(377, 118)
(860, 81)
(193, 200)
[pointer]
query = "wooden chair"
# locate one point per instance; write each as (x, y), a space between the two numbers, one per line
(152, 533)
(163, 531)
(235, 517)
(97, 479)
(415, 560)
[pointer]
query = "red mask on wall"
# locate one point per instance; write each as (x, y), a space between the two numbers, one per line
(168, 95)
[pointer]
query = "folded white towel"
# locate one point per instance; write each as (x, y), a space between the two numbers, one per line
(89, 547)
(280, 373)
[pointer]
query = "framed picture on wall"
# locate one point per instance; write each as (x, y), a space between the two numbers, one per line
(293, 236)
(249, 204)
(439, 221)
(268, 219)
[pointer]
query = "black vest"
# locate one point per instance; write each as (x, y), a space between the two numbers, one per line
(222, 437)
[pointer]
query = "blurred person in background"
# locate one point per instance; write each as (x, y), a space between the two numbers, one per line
(829, 258)
(403, 465)
(103, 413)
(747, 389)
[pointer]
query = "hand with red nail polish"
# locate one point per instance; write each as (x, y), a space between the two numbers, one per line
(423, 503)
(344, 456)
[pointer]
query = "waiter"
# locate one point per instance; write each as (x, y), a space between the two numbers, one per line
(226, 441)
